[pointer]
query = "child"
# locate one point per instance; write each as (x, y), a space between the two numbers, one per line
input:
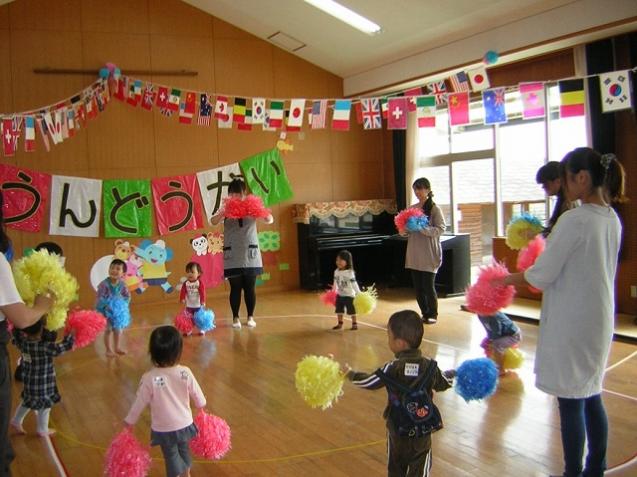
(167, 388)
(405, 455)
(47, 335)
(502, 333)
(346, 288)
(40, 391)
(193, 293)
(110, 287)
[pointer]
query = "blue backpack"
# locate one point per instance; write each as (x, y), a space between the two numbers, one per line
(412, 412)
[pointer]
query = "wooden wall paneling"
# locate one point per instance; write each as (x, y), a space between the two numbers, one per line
(223, 30)
(192, 21)
(289, 253)
(115, 17)
(389, 187)
(357, 181)
(311, 147)
(244, 67)
(6, 87)
(296, 78)
(4, 18)
(38, 15)
(311, 182)
(552, 66)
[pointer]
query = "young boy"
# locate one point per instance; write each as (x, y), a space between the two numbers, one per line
(110, 287)
(502, 333)
(405, 455)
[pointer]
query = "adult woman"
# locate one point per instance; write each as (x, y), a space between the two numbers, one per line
(424, 253)
(241, 256)
(576, 273)
(13, 309)
(550, 177)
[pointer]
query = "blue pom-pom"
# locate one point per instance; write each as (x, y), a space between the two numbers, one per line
(117, 73)
(416, 223)
(118, 313)
(476, 379)
(104, 72)
(491, 57)
(204, 319)
(527, 217)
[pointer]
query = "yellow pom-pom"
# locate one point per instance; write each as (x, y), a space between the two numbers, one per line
(521, 230)
(319, 380)
(42, 273)
(513, 358)
(365, 302)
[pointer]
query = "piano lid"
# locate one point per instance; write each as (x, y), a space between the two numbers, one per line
(301, 213)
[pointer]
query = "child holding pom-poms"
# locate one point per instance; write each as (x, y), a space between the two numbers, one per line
(408, 448)
(193, 292)
(502, 333)
(167, 388)
(40, 390)
(346, 288)
(113, 298)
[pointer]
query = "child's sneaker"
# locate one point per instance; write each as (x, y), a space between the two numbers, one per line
(251, 323)
(338, 327)
(354, 326)
(202, 333)
(236, 324)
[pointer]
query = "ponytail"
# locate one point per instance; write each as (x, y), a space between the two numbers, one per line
(423, 183)
(614, 180)
(429, 204)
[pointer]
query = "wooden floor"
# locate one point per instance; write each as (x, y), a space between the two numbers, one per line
(248, 378)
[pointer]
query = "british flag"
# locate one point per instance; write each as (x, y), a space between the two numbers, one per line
(371, 113)
(439, 90)
(205, 110)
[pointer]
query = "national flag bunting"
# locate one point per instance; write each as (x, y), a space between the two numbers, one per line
(276, 114)
(10, 135)
(533, 103)
(412, 94)
(426, 111)
(494, 106)
(227, 122)
(258, 110)
(397, 113)
(358, 107)
(288, 127)
(297, 109)
(205, 110)
(439, 90)
(239, 111)
(162, 97)
(458, 108)
(479, 78)
(319, 109)
(384, 107)
(246, 125)
(221, 109)
(371, 113)
(187, 108)
(615, 89)
(29, 134)
(122, 88)
(340, 117)
(460, 82)
(173, 100)
(571, 98)
(41, 123)
(149, 97)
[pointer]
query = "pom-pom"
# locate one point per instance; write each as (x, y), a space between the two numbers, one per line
(184, 322)
(513, 358)
(483, 297)
(476, 379)
(490, 57)
(126, 456)
(213, 439)
(365, 302)
(328, 297)
(529, 254)
(249, 206)
(87, 325)
(118, 313)
(205, 319)
(104, 73)
(404, 215)
(417, 223)
(41, 273)
(319, 380)
(521, 229)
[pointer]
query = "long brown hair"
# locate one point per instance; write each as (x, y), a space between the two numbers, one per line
(5, 241)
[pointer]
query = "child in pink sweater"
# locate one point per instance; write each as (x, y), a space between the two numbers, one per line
(167, 388)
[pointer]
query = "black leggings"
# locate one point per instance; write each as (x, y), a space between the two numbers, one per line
(425, 293)
(247, 284)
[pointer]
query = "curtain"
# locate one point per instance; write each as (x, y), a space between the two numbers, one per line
(398, 150)
(600, 57)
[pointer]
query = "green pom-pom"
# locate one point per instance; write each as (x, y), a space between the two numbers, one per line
(319, 380)
(365, 302)
(41, 273)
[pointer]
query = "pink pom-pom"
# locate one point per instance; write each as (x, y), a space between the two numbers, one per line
(126, 456)
(184, 322)
(329, 297)
(529, 254)
(483, 297)
(213, 439)
(233, 208)
(87, 325)
(254, 207)
(403, 216)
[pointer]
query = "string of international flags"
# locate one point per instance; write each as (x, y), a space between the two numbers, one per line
(62, 120)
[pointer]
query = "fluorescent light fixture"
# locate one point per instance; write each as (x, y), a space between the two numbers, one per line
(346, 15)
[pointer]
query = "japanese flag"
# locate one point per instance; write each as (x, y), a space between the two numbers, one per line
(479, 79)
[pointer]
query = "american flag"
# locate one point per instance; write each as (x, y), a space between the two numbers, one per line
(205, 110)
(460, 82)
(319, 109)
(439, 90)
(371, 113)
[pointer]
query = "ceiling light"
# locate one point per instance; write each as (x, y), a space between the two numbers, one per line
(346, 15)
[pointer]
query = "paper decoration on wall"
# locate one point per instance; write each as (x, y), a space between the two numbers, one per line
(213, 186)
(533, 102)
(615, 88)
(75, 206)
(458, 108)
(132, 277)
(269, 244)
(340, 118)
(177, 202)
(153, 269)
(426, 111)
(10, 133)
(438, 90)
(258, 110)
(571, 98)
(265, 175)
(397, 113)
(227, 122)
(26, 194)
(479, 79)
(371, 113)
(319, 112)
(284, 266)
(127, 211)
(208, 253)
(494, 106)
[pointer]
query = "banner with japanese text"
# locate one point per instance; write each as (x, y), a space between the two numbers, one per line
(76, 204)
(266, 177)
(177, 203)
(127, 208)
(213, 186)
(26, 195)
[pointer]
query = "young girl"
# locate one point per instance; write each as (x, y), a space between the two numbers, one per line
(40, 391)
(346, 288)
(576, 274)
(502, 333)
(193, 293)
(424, 252)
(167, 388)
(110, 287)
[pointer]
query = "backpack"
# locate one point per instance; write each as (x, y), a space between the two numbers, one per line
(412, 412)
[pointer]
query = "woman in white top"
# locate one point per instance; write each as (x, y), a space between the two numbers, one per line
(576, 273)
(13, 309)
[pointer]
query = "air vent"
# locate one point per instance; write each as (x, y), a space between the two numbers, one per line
(286, 42)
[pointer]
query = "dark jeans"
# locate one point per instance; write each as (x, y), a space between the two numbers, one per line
(407, 456)
(584, 420)
(246, 283)
(425, 293)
